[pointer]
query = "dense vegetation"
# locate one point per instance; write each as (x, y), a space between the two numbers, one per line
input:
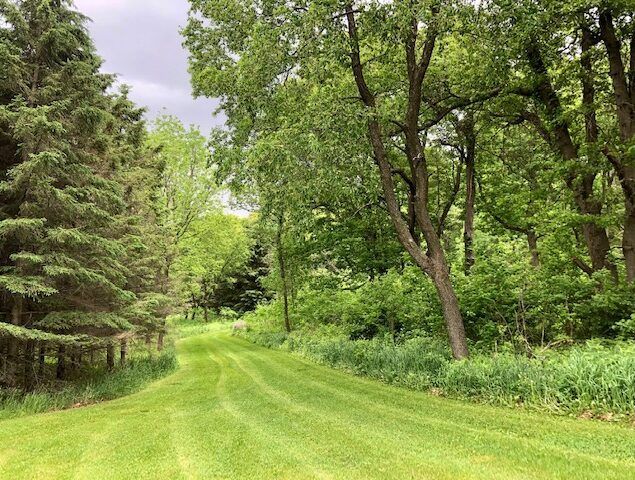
(590, 381)
(106, 225)
(419, 170)
(79, 238)
(439, 195)
(438, 168)
(434, 166)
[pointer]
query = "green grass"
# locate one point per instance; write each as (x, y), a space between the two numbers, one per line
(592, 379)
(185, 329)
(235, 410)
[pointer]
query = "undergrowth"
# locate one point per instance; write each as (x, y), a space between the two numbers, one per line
(100, 386)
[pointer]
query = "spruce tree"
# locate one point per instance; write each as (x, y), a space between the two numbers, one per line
(65, 245)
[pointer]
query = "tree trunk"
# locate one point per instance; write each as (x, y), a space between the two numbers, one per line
(14, 344)
(532, 242)
(75, 360)
(624, 103)
(434, 264)
(628, 244)
(624, 100)
(110, 356)
(123, 352)
(42, 360)
(29, 367)
(595, 236)
(451, 313)
(283, 275)
(470, 195)
(61, 363)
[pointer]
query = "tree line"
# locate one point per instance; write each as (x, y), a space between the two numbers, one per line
(371, 129)
(85, 240)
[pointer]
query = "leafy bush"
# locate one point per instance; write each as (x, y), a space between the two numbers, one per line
(592, 378)
(504, 301)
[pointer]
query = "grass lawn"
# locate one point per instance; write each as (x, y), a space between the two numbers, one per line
(239, 411)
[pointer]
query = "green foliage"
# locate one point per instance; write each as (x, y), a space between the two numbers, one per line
(552, 201)
(81, 242)
(188, 189)
(216, 246)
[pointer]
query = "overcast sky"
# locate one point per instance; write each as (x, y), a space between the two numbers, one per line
(140, 41)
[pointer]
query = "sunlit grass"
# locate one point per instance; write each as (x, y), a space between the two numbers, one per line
(235, 410)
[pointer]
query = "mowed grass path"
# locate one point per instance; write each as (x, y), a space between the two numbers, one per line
(238, 411)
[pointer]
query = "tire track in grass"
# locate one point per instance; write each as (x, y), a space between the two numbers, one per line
(281, 461)
(238, 411)
(443, 408)
(196, 431)
(534, 444)
(361, 439)
(420, 422)
(523, 441)
(389, 437)
(187, 454)
(304, 422)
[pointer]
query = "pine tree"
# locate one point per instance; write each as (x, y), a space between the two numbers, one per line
(72, 274)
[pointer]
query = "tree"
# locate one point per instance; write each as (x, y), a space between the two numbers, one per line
(299, 104)
(567, 101)
(215, 247)
(70, 250)
(188, 185)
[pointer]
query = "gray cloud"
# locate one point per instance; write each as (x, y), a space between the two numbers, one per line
(140, 41)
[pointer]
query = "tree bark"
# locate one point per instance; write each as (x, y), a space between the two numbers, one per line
(42, 359)
(160, 340)
(625, 108)
(283, 274)
(470, 193)
(61, 363)
(110, 356)
(75, 359)
(14, 343)
(29, 366)
(595, 236)
(628, 243)
(623, 100)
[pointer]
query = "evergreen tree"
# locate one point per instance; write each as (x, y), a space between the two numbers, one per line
(72, 268)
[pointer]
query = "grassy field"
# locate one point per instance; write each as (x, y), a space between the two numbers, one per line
(238, 411)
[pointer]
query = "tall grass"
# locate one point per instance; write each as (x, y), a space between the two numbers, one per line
(590, 379)
(100, 386)
(184, 328)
